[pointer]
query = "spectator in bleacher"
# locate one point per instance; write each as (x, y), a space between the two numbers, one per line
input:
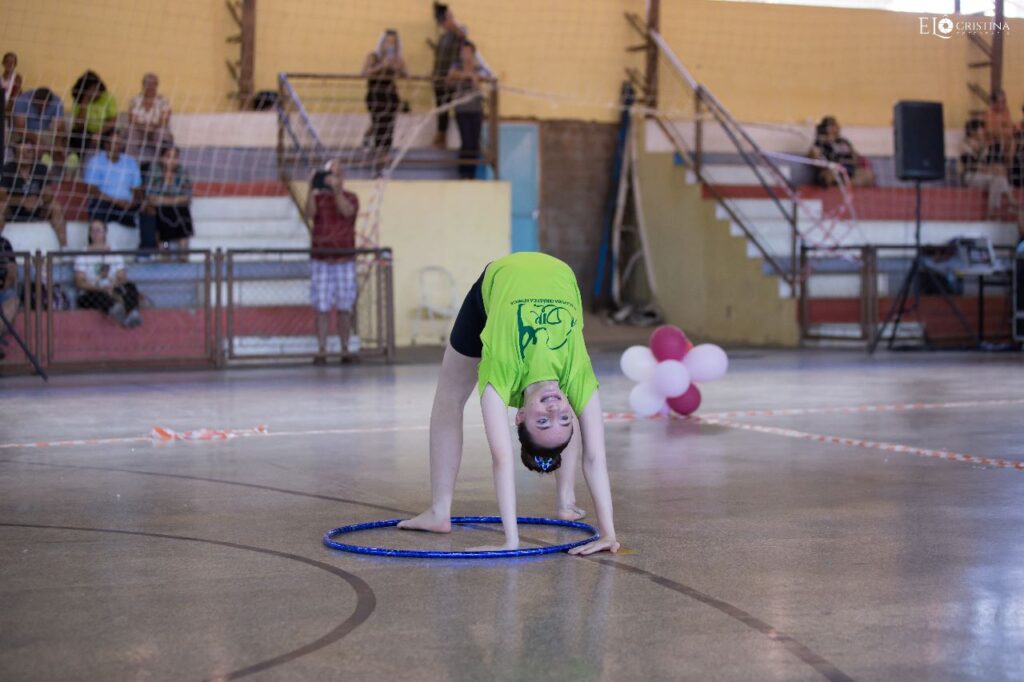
(26, 196)
(333, 212)
(8, 289)
(149, 120)
(115, 184)
(830, 145)
(38, 117)
(465, 77)
(446, 53)
(1017, 166)
(94, 113)
(999, 129)
(981, 167)
(10, 80)
(102, 281)
(381, 68)
(168, 196)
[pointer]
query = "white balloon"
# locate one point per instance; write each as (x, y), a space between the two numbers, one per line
(706, 362)
(645, 400)
(638, 363)
(671, 378)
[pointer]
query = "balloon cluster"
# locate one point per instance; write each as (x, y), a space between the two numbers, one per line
(669, 370)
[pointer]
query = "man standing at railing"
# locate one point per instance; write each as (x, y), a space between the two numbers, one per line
(446, 53)
(332, 285)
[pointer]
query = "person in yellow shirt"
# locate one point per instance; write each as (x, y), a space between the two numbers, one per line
(94, 113)
(518, 339)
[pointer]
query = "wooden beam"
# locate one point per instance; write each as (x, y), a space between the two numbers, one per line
(997, 49)
(247, 70)
(651, 67)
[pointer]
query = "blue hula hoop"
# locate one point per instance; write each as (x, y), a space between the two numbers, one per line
(329, 536)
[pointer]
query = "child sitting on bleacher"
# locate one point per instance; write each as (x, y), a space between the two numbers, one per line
(102, 281)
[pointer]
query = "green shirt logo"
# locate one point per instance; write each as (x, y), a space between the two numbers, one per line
(553, 318)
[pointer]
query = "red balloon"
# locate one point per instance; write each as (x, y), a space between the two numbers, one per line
(687, 403)
(669, 343)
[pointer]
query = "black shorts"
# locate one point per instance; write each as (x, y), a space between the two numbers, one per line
(17, 214)
(469, 323)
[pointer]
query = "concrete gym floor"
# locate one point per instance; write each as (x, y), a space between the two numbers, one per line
(863, 522)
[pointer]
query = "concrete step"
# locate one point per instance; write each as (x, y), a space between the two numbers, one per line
(774, 235)
(240, 242)
(756, 209)
(251, 228)
(243, 208)
(733, 174)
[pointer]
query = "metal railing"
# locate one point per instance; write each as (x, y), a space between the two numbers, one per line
(211, 310)
(772, 181)
(267, 310)
(14, 360)
(873, 263)
(307, 102)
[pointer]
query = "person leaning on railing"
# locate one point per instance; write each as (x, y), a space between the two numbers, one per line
(465, 77)
(381, 68)
(102, 282)
(446, 53)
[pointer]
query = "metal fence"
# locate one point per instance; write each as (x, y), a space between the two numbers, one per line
(268, 311)
(14, 360)
(201, 309)
(944, 309)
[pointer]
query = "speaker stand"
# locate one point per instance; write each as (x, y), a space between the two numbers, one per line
(912, 281)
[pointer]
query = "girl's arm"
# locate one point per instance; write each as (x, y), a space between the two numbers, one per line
(595, 470)
(495, 413)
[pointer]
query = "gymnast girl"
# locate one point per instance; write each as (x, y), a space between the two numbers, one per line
(518, 338)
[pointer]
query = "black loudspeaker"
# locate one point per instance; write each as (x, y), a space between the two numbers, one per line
(920, 141)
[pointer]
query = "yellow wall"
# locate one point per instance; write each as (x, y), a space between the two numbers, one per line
(772, 63)
(705, 282)
(461, 226)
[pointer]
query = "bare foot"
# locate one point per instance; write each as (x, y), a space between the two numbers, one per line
(428, 521)
(571, 513)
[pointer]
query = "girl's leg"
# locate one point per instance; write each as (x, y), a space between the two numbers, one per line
(454, 386)
(565, 479)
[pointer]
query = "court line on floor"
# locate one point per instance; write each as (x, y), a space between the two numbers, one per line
(204, 479)
(610, 417)
(821, 665)
(933, 453)
(366, 599)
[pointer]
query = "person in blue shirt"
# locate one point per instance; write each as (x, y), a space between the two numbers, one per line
(37, 116)
(115, 183)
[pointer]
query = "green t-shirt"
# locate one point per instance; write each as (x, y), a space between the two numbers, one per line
(534, 329)
(98, 111)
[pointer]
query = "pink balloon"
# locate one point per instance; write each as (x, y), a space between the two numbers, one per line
(668, 342)
(687, 403)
